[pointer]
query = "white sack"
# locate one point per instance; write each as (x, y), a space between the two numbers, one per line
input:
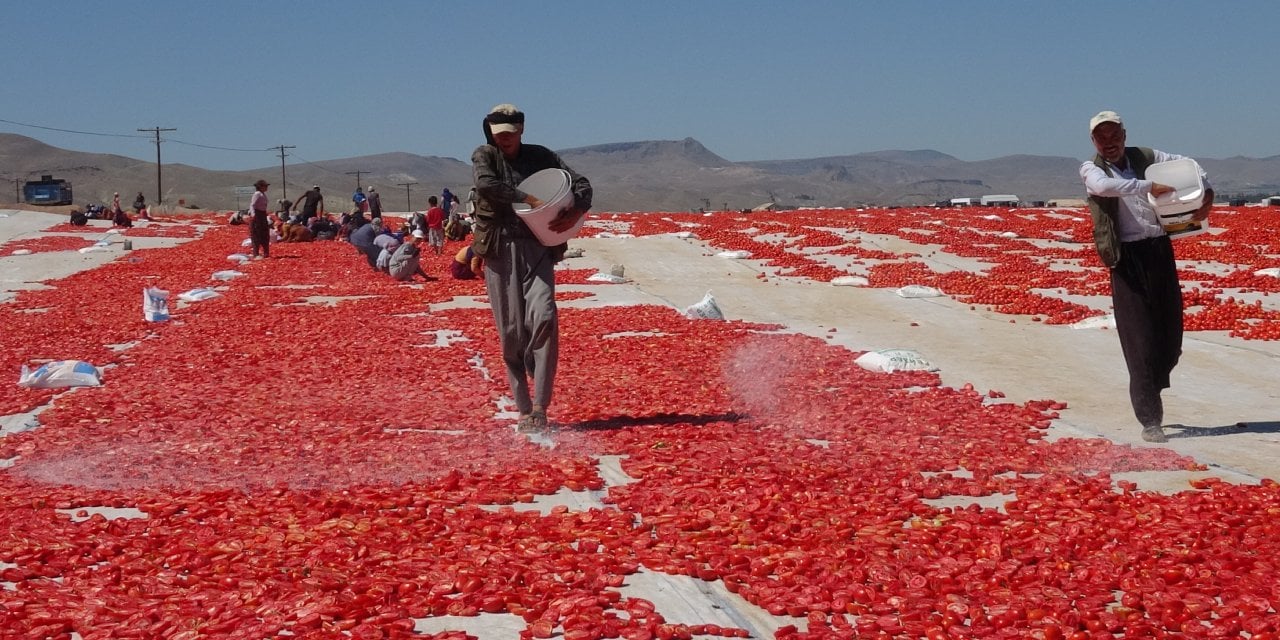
(890, 360)
(196, 295)
(850, 281)
(1096, 322)
(155, 304)
(705, 309)
(919, 291)
(63, 373)
(606, 277)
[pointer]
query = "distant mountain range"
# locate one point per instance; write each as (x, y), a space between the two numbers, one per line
(662, 175)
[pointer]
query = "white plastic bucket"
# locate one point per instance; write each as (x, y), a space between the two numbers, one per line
(551, 186)
(1183, 175)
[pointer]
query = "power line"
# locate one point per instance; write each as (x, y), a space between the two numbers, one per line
(207, 146)
(120, 135)
(322, 168)
(85, 133)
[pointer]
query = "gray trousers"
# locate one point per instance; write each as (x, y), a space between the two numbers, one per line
(1147, 299)
(520, 281)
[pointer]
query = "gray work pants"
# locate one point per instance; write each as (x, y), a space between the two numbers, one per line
(520, 281)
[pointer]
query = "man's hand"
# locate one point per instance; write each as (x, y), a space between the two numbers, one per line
(1158, 189)
(1205, 206)
(566, 220)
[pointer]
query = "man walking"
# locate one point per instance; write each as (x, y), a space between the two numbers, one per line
(1145, 292)
(518, 270)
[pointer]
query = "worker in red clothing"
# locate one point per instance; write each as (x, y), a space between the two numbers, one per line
(435, 225)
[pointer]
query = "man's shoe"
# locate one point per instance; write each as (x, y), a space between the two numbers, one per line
(538, 421)
(525, 424)
(1154, 434)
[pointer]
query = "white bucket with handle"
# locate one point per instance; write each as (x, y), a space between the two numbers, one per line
(1183, 175)
(551, 186)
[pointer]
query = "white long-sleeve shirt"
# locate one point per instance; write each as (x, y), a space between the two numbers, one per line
(258, 202)
(1136, 218)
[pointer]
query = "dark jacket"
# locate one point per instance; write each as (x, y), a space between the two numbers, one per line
(496, 178)
(311, 201)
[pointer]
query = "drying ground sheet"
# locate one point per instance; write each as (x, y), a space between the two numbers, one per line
(321, 452)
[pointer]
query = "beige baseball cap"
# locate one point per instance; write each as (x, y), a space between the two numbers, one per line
(1103, 117)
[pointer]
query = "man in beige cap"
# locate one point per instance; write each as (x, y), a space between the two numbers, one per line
(1145, 292)
(518, 270)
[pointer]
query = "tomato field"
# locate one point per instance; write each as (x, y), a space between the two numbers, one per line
(322, 452)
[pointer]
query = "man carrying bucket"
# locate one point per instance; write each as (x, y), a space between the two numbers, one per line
(518, 269)
(1145, 292)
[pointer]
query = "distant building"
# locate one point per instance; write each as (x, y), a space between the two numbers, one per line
(1272, 201)
(48, 191)
(1002, 200)
(965, 202)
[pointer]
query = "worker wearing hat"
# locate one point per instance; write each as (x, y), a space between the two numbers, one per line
(518, 270)
(406, 262)
(259, 224)
(1132, 243)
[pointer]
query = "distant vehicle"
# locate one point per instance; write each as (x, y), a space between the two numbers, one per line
(47, 191)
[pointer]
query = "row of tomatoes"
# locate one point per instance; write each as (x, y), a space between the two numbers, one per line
(1022, 264)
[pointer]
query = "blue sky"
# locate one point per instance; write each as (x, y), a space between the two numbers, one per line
(750, 80)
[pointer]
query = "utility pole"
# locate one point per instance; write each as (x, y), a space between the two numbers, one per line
(284, 185)
(407, 205)
(159, 186)
(357, 174)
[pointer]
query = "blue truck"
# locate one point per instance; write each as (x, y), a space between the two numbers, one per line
(47, 191)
